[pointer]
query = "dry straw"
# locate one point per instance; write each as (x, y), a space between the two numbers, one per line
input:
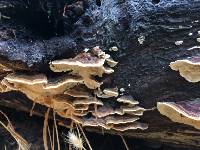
(22, 143)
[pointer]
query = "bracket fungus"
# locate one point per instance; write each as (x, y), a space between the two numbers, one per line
(111, 92)
(86, 65)
(131, 126)
(127, 99)
(111, 62)
(188, 68)
(77, 95)
(186, 112)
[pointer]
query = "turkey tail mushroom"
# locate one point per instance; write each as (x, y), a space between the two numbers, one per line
(186, 112)
(188, 68)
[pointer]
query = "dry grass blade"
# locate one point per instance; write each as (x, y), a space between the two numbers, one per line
(87, 141)
(31, 112)
(124, 142)
(22, 143)
(72, 124)
(57, 136)
(50, 138)
(45, 130)
(53, 139)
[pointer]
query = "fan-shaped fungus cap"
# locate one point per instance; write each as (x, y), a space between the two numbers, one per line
(111, 62)
(136, 113)
(189, 69)
(131, 109)
(128, 100)
(66, 82)
(26, 79)
(59, 86)
(108, 70)
(87, 101)
(78, 92)
(120, 119)
(186, 112)
(100, 94)
(106, 111)
(114, 48)
(130, 126)
(39, 83)
(95, 122)
(112, 92)
(86, 65)
(136, 110)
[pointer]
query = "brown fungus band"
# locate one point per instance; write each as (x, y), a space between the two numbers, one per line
(77, 95)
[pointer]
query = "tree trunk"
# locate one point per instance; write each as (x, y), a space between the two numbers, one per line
(145, 31)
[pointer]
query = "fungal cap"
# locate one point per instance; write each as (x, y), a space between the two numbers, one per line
(69, 62)
(183, 112)
(120, 119)
(106, 111)
(85, 60)
(67, 82)
(114, 48)
(87, 101)
(111, 62)
(30, 80)
(189, 69)
(136, 113)
(103, 95)
(85, 65)
(95, 122)
(132, 109)
(108, 70)
(127, 99)
(100, 94)
(113, 92)
(131, 126)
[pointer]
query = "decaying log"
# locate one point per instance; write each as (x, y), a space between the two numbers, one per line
(149, 36)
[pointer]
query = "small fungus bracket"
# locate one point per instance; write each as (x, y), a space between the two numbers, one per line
(188, 68)
(186, 112)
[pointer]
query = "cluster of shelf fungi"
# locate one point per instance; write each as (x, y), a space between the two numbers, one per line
(77, 95)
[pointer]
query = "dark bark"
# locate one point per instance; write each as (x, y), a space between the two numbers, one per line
(115, 23)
